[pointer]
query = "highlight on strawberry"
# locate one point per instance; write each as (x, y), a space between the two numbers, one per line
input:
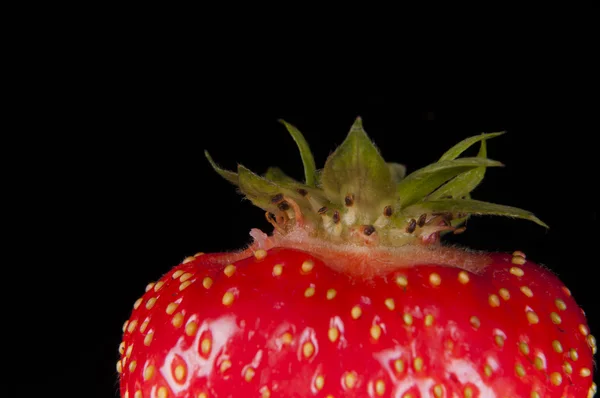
(354, 294)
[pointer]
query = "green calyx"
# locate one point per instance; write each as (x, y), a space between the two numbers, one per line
(359, 197)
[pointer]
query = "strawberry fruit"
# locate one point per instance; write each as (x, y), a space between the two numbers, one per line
(354, 295)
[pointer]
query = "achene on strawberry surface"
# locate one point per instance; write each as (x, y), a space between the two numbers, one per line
(354, 295)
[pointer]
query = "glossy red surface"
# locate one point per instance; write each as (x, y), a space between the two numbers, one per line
(424, 331)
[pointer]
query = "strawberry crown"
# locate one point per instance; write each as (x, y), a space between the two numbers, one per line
(359, 197)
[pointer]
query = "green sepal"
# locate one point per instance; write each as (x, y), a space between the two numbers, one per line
(259, 190)
(465, 144)
(464, 183)
(469, 206)
(226, 174)
(419, 184)
(397, 171)
(357, 168)
(307, 157)
(276, 175)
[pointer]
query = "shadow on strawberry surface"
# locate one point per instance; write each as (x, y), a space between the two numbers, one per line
(353, 294)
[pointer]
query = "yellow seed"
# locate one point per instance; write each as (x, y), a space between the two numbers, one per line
(229, 270)
(148, 338)
(356, 312)
(184, 285)
(435, 279)
(122, 347)
(584, 330)
(518, 260)
(463, 278)
(350, 379)
(555, 318)
(149, 286)
(277, 269)
(407, 318)
(185, 277)
(560, 304)
(319, 382)
(226, 364)
(309, 292)
(131, 326)
(399, 366)
(177, 274)
(119, 367)
(308, 349)
(171, 308)
(129, 350)
(429, 320)
(504, 293)
(260, 254)
(138, 394)
(199, 254)
(487, 369)
(188, 259)
(132, 366)
(438, 391)
(499, 340)
(557, 346)
(573, 354)
(401, 281)
(177, 320)
(207, 282)
(494, 300)
(418, 364)
(556, 378)
(287, 338)
(516, 271)
(468, 392)
(526, 291)
(535, 394)
(591, 340)
(205, 346)
(149, 372)
(333, 334)
(179, 372)
(566, 290)
(228, 298)
(475, 322)
(524, 348)
(264, 392)
(150, 303)
(144, 325)
(567, 368)
(532, 317)
(162, 392)
(126, 395)
(191, 328)
(389, 303)
(307, 266)
(249, 374)
(518, 253)
(538, 363)
(379, 387)
(375, 331)
(137, 303)
(584, 372)
(331, 293)
(158, 286)
(520, 370)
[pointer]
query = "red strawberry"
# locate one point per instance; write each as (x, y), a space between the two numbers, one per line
(354, 295)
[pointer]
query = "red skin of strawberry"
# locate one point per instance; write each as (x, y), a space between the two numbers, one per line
(271, 327)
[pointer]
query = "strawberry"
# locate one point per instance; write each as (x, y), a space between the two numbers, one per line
(354, 294)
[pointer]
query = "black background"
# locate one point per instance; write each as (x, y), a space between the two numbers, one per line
(124, 175)
(163, 202)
